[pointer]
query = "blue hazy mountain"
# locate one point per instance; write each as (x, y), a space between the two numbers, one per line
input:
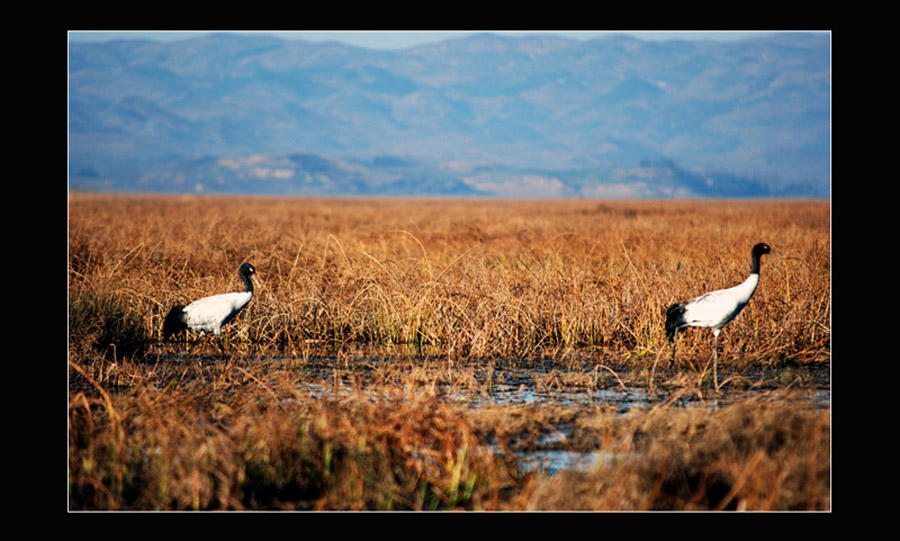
(486, 114)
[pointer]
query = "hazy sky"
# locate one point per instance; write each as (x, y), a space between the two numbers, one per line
(382, 39)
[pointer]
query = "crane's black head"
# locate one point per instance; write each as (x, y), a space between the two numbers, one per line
(760, 249)
(247, 271)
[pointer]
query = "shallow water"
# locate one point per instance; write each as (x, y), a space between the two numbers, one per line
(550, 455)
(548, 383)
(507, 383)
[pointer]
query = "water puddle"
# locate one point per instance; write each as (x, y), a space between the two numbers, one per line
(549, 454)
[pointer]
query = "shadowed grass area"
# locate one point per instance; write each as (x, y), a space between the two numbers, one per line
(393, 435)
(366, 373)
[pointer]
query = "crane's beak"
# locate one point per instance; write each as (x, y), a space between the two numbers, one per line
(255, 279)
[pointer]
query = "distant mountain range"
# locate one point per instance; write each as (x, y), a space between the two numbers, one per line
(484, 115)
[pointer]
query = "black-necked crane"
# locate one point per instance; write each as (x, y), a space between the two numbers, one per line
(209, 314)
(715, 309)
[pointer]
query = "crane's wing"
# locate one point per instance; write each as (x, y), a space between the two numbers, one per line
(713, 309)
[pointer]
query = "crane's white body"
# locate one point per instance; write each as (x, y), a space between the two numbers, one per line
(716, 308)
(209, 314)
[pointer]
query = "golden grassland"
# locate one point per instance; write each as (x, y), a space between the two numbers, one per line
(371, 309)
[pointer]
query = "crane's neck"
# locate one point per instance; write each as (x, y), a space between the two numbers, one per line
(248, 283)
(754, 269)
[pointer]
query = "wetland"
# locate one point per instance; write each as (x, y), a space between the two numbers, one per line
(441, 354)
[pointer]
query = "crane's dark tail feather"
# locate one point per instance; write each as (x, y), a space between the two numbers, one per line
(174, 322)
(674, 320)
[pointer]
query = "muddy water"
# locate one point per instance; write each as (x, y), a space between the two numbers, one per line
(537, 383)
(510, 383)
(540, 384)
(551, 452)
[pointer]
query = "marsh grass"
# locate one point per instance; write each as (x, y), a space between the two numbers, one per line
(747, 456)
(473, 279)
(392, 435)
(253, 439)
(458, 295)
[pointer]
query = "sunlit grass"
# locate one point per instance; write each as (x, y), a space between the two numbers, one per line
(474, 279)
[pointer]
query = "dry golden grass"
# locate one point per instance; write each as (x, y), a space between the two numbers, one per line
(471, 279)
(374, 311)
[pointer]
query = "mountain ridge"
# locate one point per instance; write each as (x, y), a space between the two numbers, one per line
(758, 111)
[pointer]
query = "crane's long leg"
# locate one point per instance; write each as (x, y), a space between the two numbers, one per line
(715, 358)
(712, 361)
